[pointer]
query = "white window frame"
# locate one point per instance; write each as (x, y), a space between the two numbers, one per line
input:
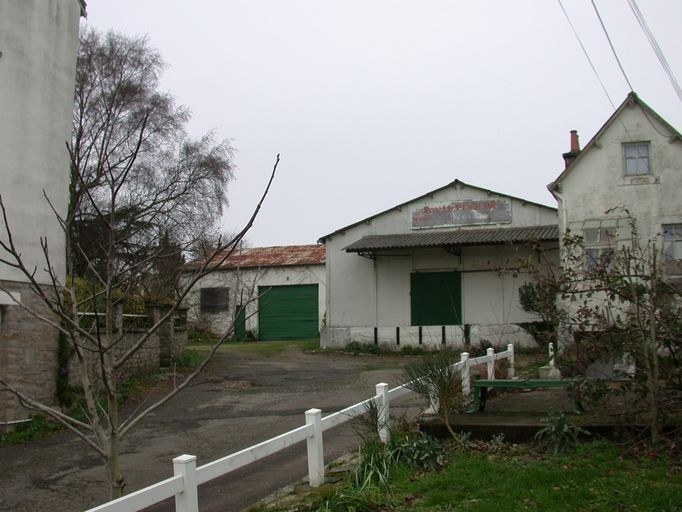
(602, 237)
(672, 242)
(631, 164)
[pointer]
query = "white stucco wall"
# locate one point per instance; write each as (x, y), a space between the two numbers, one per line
(363, 293)
(38, 45)
(597, 181)
(243, 285)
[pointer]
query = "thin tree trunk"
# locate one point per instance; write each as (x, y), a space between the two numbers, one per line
(653, 336)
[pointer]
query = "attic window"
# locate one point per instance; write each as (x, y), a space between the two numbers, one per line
(636, 156)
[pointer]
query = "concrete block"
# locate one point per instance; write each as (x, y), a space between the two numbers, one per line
(549, 372)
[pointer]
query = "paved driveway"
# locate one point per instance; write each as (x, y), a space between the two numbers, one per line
(245, 396)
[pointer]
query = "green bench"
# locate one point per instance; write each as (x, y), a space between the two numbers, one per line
(481, 386)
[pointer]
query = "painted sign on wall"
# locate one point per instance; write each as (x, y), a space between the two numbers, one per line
(462, 213)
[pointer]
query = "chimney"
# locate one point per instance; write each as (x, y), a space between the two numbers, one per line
(575, 149)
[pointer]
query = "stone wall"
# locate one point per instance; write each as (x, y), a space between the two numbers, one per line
(164, 345)
(28, 352)
(28, 349)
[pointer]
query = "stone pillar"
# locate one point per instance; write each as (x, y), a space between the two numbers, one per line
(164, 333)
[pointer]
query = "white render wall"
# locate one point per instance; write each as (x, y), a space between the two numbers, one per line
(243, 285)
(598, 182)
(363, 293)
(38, 41)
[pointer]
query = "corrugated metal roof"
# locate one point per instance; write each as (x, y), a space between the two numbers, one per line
(454, 238)
(279, 256)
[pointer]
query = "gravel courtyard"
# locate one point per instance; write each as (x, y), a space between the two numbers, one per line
(249, 393)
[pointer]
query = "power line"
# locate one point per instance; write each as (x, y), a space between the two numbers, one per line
(611, 45)
(654, 45)
(594, 69)
(587, 55)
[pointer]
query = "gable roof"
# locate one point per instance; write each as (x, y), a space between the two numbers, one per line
(427, 194)
(278, 256)
(631, 99)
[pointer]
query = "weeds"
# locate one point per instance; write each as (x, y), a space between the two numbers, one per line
(374, 468)
(411, 350)
(560, 436)
(355, 347)
(189, 359)
(461, 442)
(435, 378)
(421, 452)
(37, 428)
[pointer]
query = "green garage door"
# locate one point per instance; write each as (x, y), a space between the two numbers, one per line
(436, 298)
(288, 312)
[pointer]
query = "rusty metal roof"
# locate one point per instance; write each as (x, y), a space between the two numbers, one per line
(279, 256)
(454, 238)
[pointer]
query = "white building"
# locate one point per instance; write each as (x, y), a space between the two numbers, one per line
(38, 48)
(635, 162)
(269, 293)
(443, 268)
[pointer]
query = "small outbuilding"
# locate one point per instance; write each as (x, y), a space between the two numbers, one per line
(266, 293)
(441, 269)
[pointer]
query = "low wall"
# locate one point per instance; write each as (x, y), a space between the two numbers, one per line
(164, 345)
(28, 352)
(28, 349)
(429, 337)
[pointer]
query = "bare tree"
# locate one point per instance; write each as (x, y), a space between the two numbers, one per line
(141, 193)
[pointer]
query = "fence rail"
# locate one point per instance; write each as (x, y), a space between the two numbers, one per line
(187, 476)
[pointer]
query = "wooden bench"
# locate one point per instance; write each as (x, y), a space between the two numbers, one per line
(481, 387)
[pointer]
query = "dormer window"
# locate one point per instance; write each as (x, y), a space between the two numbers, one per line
(636, 157)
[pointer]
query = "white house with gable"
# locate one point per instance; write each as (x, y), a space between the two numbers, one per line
(441, 269)
(635, 162)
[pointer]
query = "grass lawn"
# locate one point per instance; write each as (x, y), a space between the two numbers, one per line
(594, 478)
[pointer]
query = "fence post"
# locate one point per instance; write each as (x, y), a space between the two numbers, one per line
(315, 448)
(490, 363)
(466, 387)
(510, 369)
(187, 500)
(384, 413)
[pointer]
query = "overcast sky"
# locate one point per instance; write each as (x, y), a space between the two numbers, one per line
(372, 103)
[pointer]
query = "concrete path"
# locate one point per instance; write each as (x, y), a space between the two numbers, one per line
(245, 396)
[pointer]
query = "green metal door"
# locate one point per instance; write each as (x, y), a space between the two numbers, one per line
(240, 323)
(436, 298)
(288, 312)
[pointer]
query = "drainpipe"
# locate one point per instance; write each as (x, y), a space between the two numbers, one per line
(553, 188)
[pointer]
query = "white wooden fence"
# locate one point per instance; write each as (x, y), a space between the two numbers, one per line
(187, 476)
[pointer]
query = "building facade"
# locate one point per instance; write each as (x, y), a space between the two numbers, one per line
(38, 49)
(625, 183)
(441, 269)
(633, 163)
(265, 293)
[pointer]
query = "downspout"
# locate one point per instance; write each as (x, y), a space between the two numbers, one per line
(376, 292)
(554, 190)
